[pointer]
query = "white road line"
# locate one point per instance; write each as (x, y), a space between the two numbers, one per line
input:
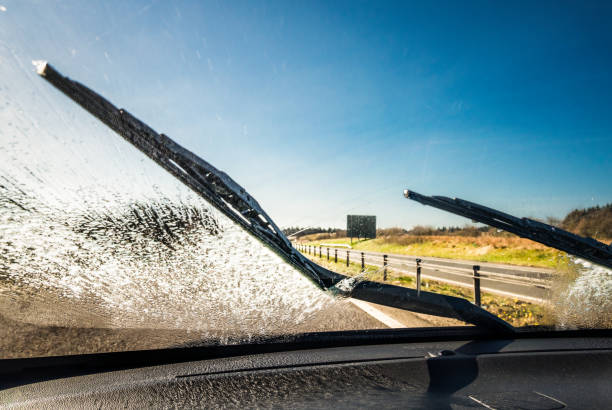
(377, 314)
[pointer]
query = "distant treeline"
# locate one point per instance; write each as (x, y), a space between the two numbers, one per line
(421, 230)
(417, 230)
(594, 222)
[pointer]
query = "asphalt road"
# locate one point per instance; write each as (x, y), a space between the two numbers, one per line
(525, 283)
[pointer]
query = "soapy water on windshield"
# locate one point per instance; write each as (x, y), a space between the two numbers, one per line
(144, 265)
(95, 235)
(587, 300)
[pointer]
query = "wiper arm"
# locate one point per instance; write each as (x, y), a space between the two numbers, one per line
(586, 248)
(235, 202)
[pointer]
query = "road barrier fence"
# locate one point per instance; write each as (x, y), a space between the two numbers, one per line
(475, 273)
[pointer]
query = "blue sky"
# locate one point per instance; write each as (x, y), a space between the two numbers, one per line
(321, 109)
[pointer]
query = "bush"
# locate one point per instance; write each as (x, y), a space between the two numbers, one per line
(391, 232)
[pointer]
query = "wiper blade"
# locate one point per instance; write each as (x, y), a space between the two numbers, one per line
(586, 248)
(235, 202)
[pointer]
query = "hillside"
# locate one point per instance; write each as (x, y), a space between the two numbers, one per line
(595, 222)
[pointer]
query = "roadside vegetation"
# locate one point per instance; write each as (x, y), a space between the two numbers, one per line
(481, 244)
(516, 312)
(483, 248)
(595, 222)
(580, 295)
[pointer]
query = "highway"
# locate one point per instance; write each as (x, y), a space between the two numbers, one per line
(520, 282)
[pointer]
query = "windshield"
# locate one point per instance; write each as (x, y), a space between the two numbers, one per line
(325, 113)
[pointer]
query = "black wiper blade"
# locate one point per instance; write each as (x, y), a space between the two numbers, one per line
(235, 202)
(586, 248)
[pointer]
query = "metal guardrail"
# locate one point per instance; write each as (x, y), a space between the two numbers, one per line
(475, 272)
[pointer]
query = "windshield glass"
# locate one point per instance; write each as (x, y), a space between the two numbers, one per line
(325, 113)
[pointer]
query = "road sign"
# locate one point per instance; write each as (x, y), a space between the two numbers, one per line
(361, 226)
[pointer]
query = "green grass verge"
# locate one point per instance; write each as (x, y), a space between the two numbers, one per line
(538, 256)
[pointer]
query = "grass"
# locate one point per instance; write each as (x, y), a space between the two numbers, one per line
(484, 248)
(514, 311)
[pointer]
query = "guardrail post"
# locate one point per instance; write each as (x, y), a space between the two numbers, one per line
(347, 258)
(319, 251)
(418, 276)
(385, 266)
(335, 255)
(362, 261)
(476, 285)
(327, 253)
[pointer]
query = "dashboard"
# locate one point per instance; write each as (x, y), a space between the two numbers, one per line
(413, 368)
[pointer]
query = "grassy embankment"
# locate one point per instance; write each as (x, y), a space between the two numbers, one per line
(514, 311)
(483, 248)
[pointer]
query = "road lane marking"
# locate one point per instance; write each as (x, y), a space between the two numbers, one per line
(377, 314)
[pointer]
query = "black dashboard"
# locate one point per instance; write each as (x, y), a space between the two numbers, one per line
(457, 368)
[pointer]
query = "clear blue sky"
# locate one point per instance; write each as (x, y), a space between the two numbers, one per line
(324, 108)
